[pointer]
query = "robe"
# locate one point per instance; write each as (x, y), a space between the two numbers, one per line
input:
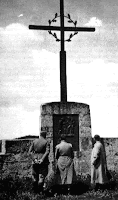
(98, 164)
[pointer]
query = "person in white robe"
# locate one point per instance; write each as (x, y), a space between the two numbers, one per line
(98, 163)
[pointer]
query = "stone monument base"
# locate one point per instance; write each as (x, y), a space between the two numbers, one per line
(73, 120)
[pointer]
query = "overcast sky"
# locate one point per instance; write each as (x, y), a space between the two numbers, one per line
(29, 64)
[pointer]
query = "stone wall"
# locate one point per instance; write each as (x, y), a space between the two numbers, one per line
(111, 148)
(16, 160)
(17, 146)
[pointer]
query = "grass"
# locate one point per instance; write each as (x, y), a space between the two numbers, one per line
(22, 189)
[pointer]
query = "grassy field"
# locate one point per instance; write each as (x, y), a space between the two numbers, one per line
(22, 189)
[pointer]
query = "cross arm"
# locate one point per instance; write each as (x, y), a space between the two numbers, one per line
(57, 28)
(88, 29)
(37, 27)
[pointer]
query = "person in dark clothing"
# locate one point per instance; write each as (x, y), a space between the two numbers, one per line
(39, 151)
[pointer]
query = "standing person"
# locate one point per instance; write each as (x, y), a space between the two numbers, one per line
(65, 165)
(39, 151)
(98, 163)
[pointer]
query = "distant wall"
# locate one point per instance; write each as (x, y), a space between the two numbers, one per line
(18, 146)
(16, 160)
(111, 147)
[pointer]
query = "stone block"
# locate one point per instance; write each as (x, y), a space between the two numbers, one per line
(49, 109)
(84, 143)
(46, 109)
(84, 110)
(86, 121)
(46, 121)
(74, 109)
(56, 108)
(63, 108)
(84, 131)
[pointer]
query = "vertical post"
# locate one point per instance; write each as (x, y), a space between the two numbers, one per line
(63, 76)
(62, 23)
(63, 83)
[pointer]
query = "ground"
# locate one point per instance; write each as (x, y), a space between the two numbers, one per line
(22, 189)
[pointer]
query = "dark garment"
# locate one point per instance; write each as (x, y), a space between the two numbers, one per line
(39, 172)
(39, 150)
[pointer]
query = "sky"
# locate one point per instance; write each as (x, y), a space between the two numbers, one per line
(29, 64)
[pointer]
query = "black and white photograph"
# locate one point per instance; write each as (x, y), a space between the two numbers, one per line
(58, 99)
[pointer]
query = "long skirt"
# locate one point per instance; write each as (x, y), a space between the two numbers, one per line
(65, 170)
(98, 174)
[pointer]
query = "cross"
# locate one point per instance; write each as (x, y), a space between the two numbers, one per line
(62, 29)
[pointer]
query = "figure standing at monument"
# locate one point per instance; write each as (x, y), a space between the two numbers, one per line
(39, 151)
(65, 165)
(98, 163)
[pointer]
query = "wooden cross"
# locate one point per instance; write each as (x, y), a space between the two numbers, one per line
(62, 29)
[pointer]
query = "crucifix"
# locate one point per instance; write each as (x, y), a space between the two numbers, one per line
(62, 29)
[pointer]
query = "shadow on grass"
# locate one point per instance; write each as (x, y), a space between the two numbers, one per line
(75, 189)
(81, 188)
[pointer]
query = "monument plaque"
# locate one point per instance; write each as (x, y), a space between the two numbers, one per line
(68, 125)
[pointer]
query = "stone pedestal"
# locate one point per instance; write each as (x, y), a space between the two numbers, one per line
(75, 116)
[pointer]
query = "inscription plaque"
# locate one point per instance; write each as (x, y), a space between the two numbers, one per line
(68, 125)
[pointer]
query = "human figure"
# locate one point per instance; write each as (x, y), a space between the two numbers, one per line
(65, 166)
(98, 163)
(39, 151)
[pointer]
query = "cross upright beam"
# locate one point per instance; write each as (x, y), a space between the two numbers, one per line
(63, 78)
(62, 24)
(62, 29)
